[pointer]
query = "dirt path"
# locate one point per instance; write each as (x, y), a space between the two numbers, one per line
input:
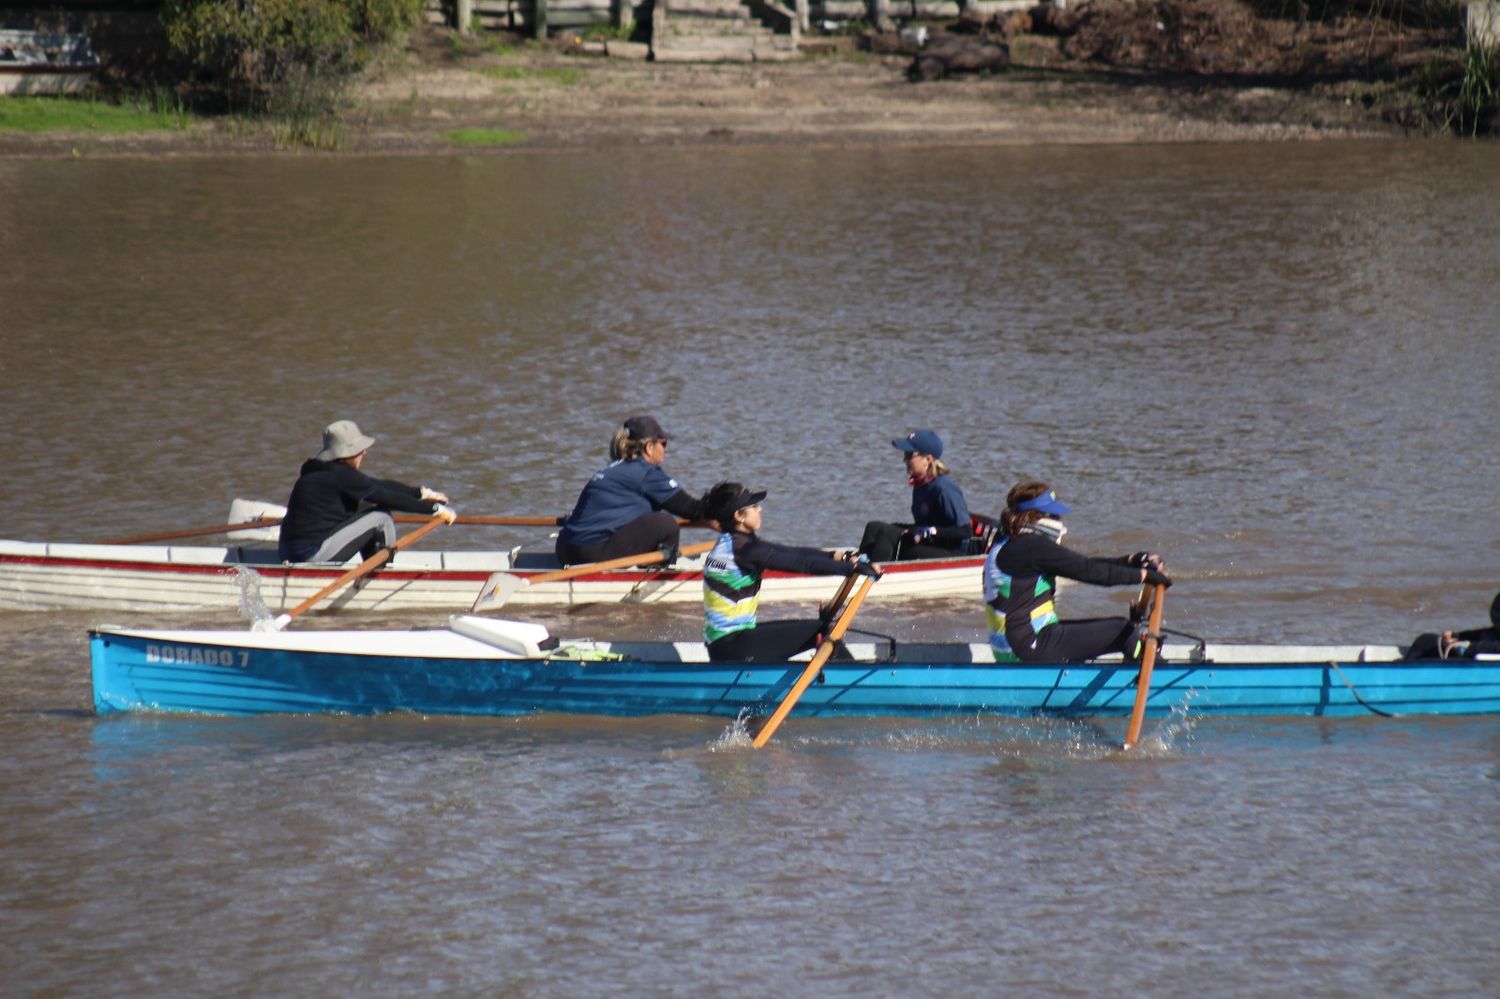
(851, 98)
(555, 99)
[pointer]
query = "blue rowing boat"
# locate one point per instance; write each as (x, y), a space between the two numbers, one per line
(483, 666)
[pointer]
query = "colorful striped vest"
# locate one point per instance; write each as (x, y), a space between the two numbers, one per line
(730, 595)
(1037, 605)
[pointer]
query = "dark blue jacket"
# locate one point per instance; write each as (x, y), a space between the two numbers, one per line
(619, 493)
(940, 503)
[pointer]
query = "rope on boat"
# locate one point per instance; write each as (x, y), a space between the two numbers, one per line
(1363, 703)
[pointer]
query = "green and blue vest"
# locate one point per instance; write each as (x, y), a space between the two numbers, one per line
(1003, 602)
(731, 595)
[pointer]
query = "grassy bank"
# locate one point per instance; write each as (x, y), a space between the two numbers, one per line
(90, 115)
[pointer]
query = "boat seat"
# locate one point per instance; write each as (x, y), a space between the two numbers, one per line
(985, 529)
(519, 638)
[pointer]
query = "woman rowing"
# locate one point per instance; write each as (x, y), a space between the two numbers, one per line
(940, 526)
(631, 505)
(1460, 644)
(731, 583)
(337, 510)
(1020, 581)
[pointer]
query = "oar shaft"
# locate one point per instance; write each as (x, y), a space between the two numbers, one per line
(1148, 662)
(480, 521)
(501, 586)
(366, 567)
(623, 562)
(825, 651)
(193, 532)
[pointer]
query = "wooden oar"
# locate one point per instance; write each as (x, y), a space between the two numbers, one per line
(366, 567)
(463, 518)
(825, 650)
(404, 518)
(193, 532)
(501, 586)
(1148, 660)
(831, 610)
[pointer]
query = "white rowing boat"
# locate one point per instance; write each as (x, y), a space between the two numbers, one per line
(40, 62)
(52, 576)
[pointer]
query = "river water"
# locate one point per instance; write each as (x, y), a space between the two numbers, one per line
(1274, 364)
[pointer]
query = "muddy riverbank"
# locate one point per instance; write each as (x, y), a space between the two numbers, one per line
(1215, 74)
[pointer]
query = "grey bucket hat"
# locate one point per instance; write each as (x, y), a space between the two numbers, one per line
(342, 439)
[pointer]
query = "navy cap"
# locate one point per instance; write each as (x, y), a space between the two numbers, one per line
(724, 499)
(921, 442)
(644, 428)
(1047, 502)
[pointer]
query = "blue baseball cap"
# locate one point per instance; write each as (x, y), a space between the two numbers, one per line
(921, 442)
(1047, 502)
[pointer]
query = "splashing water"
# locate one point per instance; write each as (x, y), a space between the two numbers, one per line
(1176, 728)
(736, 736)
(252, 605)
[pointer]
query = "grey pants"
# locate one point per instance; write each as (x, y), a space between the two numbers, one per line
(366, 534)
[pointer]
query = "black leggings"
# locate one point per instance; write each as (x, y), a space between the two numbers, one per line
(646, 533)
(884, 542)
(1077, 641)
(771, 642)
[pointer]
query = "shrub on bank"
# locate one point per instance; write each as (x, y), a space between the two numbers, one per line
(289, 58)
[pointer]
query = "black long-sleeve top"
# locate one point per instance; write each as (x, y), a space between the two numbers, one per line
(328, 493)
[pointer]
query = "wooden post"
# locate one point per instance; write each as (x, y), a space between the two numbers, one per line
(539, 19)
(658, 26)
(463, 16)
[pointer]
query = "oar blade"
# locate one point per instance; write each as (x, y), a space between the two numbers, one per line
(499, 588)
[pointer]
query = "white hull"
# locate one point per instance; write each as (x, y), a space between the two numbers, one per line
(15, 81)
(43, 576)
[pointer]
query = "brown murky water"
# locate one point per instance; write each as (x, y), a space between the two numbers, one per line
(1274, 364)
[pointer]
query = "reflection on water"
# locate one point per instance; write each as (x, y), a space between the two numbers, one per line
(1271, 364)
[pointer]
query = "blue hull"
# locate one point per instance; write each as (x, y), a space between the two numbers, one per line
(131, 673)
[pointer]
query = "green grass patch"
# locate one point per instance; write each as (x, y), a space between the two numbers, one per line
(565, 76)
(84, 114)
(607, 33)
(484, 137)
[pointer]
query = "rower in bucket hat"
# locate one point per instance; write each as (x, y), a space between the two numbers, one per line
(337, 511)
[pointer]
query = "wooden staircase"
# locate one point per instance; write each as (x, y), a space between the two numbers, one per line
(723, 31)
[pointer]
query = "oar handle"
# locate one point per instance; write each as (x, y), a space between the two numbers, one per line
(193, 532)
(1148, 662)
(366, 567)
(825, 650)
